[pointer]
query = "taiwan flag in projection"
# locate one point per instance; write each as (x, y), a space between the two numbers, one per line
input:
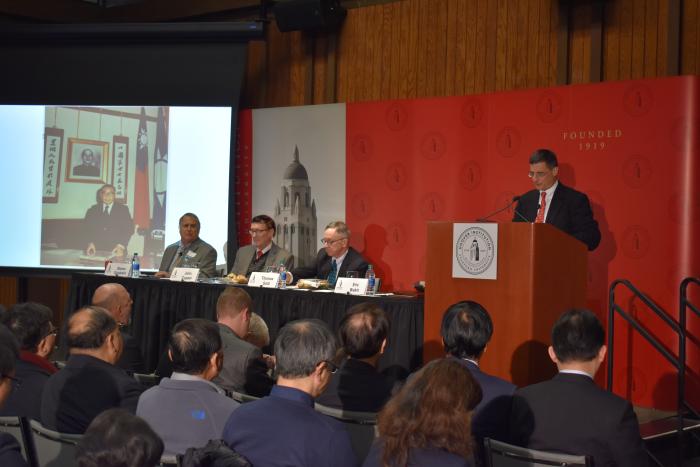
(141, 193)
(160, 170)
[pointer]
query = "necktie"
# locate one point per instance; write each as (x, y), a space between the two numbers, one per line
(333, 275)
(540, 213)
(258, 254)
(106, 211)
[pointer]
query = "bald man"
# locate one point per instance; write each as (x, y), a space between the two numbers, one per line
(90, 382)
(117, 301)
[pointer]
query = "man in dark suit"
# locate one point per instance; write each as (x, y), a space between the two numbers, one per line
(31, 325)
(90, 382)
(89, 166)
(263, 252)
(336, 257)
(190, 251)
(10, 451)
(554, 203)
(108, 225)
(466, 330)
(357, 385)
(569, 413)
(116, 300)
(244, 369)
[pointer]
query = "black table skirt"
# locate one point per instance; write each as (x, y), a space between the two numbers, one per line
(160, 304)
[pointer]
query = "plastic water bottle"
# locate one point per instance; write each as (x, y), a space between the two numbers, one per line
(371, 278)
(283, 277)
(135, 266)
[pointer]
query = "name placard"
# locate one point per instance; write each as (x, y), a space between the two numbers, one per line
(184, 275)
(118, 269)
(351, 286)
(266, 280)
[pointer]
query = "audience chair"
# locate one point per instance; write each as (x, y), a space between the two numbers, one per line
(147, 380)
(19, 428)
(499, 454)
(241, 396)
(361, 427)
(169, 460)
(53, 449)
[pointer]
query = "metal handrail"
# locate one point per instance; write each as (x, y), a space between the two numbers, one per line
(684, 305)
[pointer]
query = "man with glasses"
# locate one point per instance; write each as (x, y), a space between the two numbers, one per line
(283, 429)
(31, 325)
(554, 203)
(336, 257)
(263, 253)
(108, 225)
(190, 251)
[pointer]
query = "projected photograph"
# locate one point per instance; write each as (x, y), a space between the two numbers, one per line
(111, 202)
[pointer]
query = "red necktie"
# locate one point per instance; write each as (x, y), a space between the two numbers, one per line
(258, 254)
(540, 213)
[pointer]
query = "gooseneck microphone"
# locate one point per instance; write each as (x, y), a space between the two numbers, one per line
(514, 200)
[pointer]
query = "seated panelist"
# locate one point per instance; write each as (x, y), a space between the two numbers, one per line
(263, 252)
(190, 251)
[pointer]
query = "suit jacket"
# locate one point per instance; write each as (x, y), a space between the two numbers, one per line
(490, 417)
(204, 257)
(570, 211)
(105, 231)
(322, 266)
(83, 389)
(243, 370)
(570, 414)
(423, 457)
(185, 413)
(132, 357)
(283, 429)
(33, 371)
(275, 257)
(357, 386)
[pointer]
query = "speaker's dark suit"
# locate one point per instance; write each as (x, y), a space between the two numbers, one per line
(570, 211)
(107, 230)
(570, 414)
(322, 266)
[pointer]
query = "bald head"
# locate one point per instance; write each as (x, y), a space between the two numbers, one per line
(115, 299)
(93, 331)
(363, 331)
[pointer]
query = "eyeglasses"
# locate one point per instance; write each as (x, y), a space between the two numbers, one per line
(537, 175)
(257, 232)
(16, 382)
(325, 241)
(52, 332)
(332, 367)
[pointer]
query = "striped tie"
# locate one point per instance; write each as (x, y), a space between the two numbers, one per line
(540, 213)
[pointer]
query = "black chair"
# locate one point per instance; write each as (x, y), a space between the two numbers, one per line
(241, 397)
(361, 426)
(147, 380)
(53, 449)
(19, 428)
(499, 454)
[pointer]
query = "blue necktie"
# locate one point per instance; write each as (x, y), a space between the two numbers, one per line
(333, 275)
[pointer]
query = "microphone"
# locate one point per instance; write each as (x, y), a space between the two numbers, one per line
(514, 200)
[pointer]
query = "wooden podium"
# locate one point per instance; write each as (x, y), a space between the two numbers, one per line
(541, 273)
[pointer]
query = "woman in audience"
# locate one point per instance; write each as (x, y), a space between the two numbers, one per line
(428, 422)
(117, 438)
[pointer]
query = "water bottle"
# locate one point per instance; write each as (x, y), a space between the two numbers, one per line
(283, 277)
(371, 278)
(135, 266)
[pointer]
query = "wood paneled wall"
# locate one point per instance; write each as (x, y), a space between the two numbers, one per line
(431, 48)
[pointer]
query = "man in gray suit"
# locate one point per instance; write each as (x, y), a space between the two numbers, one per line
(244, 369)
(263, 252)
(187, 409)
(190, 251)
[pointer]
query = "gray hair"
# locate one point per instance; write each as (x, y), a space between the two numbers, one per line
(301, 345)
(340, 227)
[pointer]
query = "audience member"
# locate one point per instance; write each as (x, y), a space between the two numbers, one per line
(427, 423)
(358, 386)
(336, 257)
(31, 325)
(117, 438)
(569, 413)
(116, 300)
(187, 409)
(244, 369)
(284, 429)
(263, 252)
(10, 451)
(90, 382)
(190, 251)
(466, 330)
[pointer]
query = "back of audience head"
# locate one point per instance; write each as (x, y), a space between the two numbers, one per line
(363, 331)
(194, 348)
(432, 410)
(9, 352)
(115, 299)
(31, 324)
(117, 438)
(233, 308)
(92, 330)
(578, 336)
(304, 349)
(466, 329)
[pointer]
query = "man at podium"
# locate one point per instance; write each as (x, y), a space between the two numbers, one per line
(554, 203)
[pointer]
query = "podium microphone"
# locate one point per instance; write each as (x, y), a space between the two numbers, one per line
(514, 200)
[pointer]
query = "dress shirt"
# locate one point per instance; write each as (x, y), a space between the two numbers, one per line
(548, 198)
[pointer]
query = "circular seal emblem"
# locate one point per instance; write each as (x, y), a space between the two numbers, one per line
(475, 251)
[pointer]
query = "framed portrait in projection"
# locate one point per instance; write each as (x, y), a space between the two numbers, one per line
(87, 161)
